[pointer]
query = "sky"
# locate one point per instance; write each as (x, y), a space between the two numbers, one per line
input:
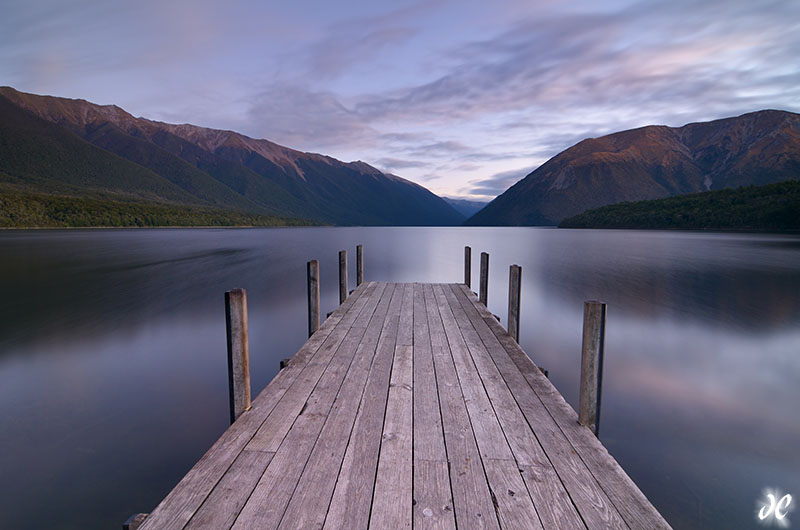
(463, 97)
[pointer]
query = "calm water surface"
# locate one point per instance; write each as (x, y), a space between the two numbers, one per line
(113, 368)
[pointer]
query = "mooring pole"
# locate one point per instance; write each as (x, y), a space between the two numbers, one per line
(468, 266)
(238, 352)
(594, 331)
(359, 265)
(342, 276)
(484, 283)
(514, 287)
(312, 269)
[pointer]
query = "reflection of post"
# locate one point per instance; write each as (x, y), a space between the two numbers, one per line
(514, 285)
(594, 331)
(238, 352)
(468, 266)
(342, 276)
(359, 265)
(484, 285)
(312, 268)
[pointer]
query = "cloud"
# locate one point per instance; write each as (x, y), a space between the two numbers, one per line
(496, 184)
(461, 90)
(298, 117)
(429, 177)
(439, 149)
(352, 45)
(569, 62)
(553, 80)
(394, 164)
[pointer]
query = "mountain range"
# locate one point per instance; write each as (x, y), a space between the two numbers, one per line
(650, 163)
(466, 207)
(74, 148)
(63, 160)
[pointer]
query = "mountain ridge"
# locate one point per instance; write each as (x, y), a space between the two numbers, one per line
(652, 162)
(466, 207)
(228, 169)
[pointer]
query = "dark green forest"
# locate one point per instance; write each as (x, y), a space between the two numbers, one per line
(768, 208)
(25, 209)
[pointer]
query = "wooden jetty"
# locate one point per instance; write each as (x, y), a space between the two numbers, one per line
(409, 407)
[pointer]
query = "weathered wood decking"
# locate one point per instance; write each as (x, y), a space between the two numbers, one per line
(409, 407)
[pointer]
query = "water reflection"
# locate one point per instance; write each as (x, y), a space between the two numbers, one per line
(112, 363)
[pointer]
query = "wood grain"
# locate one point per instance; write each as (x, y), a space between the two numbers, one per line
(410, 406)
(188, 495)
(472, 499)
(608, 481)
(392, 498)
(352, 496)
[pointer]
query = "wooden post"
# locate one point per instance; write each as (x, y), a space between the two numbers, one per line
(342, 276)
(312, 268)
(359, 265)
(238, 352)
(484, 284)
(594, 331)
(514, 287)
(468, 266)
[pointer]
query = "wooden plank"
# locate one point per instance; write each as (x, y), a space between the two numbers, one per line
(226, 500)
(433, 497)
(511, 498)
(472, 500)
(521, 439)
(392, 498)
(280, 420)
(433, 500)
(626, 496)
(309, 504)
(268, 501)
(552, 502)
(405, 329)
(428, 433)
(489, 434)
(473, 434)
(585, 488)
(246, 482)
(175, 510)
(352, 496)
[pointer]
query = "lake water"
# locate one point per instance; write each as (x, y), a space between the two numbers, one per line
(113, 376)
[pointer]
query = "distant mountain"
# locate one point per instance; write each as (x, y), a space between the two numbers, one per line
(650, 163)
(465, 207)
(64, 146)
(769, 208)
